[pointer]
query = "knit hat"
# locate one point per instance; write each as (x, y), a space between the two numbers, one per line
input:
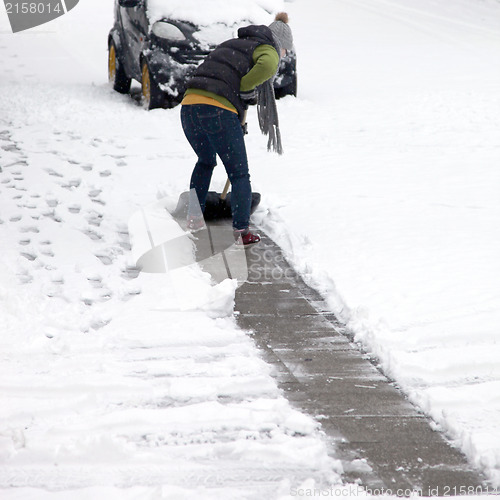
(282, 33)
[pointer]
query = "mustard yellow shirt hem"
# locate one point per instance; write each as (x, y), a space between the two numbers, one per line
(201, 99)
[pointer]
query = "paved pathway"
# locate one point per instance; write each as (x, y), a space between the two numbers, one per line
(383, 440)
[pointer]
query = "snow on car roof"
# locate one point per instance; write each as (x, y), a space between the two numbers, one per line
(209, 12)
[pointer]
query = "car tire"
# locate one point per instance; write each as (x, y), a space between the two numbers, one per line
(116, 73)
(152, 96)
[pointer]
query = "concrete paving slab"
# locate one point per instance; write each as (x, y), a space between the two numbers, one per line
(321, 371)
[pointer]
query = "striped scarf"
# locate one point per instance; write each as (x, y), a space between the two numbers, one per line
(267, 113)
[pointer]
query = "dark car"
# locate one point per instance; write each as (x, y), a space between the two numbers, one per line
(160, 54)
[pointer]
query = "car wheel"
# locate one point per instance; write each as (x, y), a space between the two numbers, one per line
(116, 73)
(153, 96)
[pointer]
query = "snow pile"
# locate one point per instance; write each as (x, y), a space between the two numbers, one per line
(218, 20)
(215, 11)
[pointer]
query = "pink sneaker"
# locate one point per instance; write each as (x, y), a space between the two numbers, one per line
(195, 223)
(245, 238)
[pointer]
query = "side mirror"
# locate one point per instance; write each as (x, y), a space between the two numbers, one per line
(129, 3)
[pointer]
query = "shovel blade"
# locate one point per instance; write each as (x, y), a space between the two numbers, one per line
(215, 207)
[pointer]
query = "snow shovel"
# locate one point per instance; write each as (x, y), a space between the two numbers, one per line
(217, 206)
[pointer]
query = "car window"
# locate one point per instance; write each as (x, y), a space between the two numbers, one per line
(138, 17)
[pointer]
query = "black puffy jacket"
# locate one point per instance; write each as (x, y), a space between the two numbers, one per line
(224, 67)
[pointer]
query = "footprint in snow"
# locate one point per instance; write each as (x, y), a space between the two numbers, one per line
(51, 214)
(105, 296)
(124, 238)
(93, 235)
(125, 245)
(57, 279)
(18, 163)
(25, 277)
(47, 251)
(94, 193)
(94, 218)
(74, 209)
(130, 273)
(53, 290)
(53, 173)
(45, 248)
(52, 202)
(10, 148)
(72, 183)
(29, 229)
(31, 256)
(106, 259)
(90, 300)
(99, 323)
(130, 293)
(87, 301)
(95, 281)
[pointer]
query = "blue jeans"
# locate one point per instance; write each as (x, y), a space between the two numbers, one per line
(215, 131)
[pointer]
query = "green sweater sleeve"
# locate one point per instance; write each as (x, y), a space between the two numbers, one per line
(266, 62)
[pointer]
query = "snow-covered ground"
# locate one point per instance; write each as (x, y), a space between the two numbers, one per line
(388, 196)
(386, 200)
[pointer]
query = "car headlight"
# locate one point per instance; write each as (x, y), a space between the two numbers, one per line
(168, 31)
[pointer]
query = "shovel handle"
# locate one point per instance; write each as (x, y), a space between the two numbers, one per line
(228, 182)
(225, 190)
